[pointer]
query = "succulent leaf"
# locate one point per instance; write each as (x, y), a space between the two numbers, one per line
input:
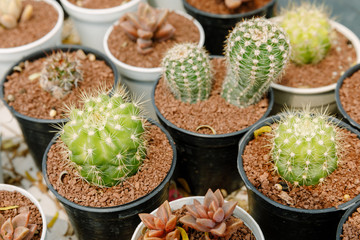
(12, 12)
(17, 228)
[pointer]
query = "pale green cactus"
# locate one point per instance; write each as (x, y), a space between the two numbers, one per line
(105, 139)
(257, 51)
(305, 147)
(12, 11)
(309, 30)
(187, 72)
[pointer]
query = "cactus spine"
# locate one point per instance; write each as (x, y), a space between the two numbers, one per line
(105, 139)
(309, 31)
(187, 72)
(305, 147)
(257, 51)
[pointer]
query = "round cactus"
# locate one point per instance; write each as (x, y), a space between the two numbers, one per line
(310, 32)
(105, 139)
(305, 147)
(60, 74)
(187, 72)
(257, 51)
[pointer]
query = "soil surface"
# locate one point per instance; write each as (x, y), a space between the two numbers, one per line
(96, 4)
(215, 111)
(154, 169)
(351, 228)
(43, 20)
(219, 7)
(350, 96)
(28, 98)
(17, 199)
(124, 49)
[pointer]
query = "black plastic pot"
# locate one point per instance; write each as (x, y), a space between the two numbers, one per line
(280, 222)
(217, 26)
(118, 222)
(39, 132)
(207, 161)
(344, 218)
(340, 107)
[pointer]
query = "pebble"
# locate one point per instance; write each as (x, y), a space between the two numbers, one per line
(52, 113)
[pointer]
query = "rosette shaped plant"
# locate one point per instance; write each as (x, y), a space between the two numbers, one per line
(12, 11)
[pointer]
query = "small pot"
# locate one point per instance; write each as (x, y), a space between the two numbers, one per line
(173, 4)
(91, 24)
(238, 212)
(217, 26)
(118, 222)
(281, 222)
(12, 188)
(39, 132)
(8, 56)
(344, 218)
(342, 111)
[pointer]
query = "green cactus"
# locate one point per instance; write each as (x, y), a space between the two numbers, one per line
(257, 51)
(105, 139)
(310, 32)
(305, 147)
(60, 74)
(187, 72)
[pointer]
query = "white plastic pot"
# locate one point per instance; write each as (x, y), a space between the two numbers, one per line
(8, 56)
(139, 80)
(317, 98)
(12, 188)
(91, 24)
(238, 212)
(169, 4)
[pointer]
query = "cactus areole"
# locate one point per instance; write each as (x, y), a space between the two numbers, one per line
(105, 139)
(305, 148)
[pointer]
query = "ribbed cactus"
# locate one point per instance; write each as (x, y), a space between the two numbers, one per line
(257, 51)
(309, 30)
(187, 72)
(60, 74)
(105, 139)
(305, 147)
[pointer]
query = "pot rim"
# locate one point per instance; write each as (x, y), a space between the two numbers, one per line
(344, 218)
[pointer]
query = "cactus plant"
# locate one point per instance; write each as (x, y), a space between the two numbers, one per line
(305, 147)
(12, 11)
(187, 72)
(147, 25)
(105, 138)
(257, 51)
(309, 30)
(60, 74)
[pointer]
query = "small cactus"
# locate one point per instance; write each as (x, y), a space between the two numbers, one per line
(105, 139)
(147, 25)
(305, 147)
(187, 72)
(310, 32)
(12, 11)
(60, 74)
(257, 51)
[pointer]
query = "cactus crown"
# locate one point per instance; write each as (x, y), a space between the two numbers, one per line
(60, 74)
(17, 227)
(187, 72)
(105, 139)
(147, 25)
(305, 147)
(309, 30)
(11, 12)
(257, 51)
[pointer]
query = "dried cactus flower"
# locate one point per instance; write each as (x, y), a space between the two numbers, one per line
(161, 226)
(211, 215)
(147, 25)
(17, 228)
(60, 74)
(12, 12)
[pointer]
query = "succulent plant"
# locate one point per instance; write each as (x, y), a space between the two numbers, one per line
(12, 11)
(187, 72)
(105, 138)
(305, 147)
(210, 216)
(161, 226)
(233, 4)
(147, 25)
(257, 51)
(309, 30)
(17, 228)
(60, 74)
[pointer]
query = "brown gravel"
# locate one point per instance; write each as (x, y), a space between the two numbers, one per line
(350, 96)
(351, 228)
(96, 4)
